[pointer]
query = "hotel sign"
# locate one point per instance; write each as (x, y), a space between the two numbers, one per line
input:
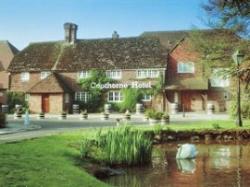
(134, 84)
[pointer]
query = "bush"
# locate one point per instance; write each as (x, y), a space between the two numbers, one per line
(153, 114)
(15, 98)
(131, 97)
(2, 120)
(95, 100)
(245, 106)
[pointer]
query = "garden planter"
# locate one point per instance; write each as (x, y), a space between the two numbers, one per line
(174, 108)
(5, 109)
(210, 108)
(75, 109)
(17, 115)
(165, 120)
(127, 115)
(84, 116)
(139, 108)
(105, 116)
(153, 121)
(107, 108)
(63, 116)
(41, 115)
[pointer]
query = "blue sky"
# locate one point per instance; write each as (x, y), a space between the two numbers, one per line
(25, 21)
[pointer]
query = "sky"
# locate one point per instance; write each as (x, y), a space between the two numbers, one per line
(25, 21)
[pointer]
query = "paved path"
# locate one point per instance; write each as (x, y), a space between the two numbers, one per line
(52, 125)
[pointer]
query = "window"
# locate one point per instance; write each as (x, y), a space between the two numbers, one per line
(25, 76)
(146, 97)
(147, 73)
(45, 74)
(115, 96)
(218, 80)
(83, 74)
(185, 67)
(82, 96)
(114, 74)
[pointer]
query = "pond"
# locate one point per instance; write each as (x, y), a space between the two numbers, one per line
(217, 164)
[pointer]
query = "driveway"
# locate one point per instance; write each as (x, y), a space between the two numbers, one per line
(53, 125)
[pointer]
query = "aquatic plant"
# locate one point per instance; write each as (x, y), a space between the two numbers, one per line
(124, 145)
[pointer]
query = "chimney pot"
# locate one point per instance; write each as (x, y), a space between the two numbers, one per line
(70, 32)
(115, 35)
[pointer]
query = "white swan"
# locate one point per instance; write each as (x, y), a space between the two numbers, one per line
(186, 151)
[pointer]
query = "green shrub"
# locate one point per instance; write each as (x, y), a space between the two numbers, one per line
(131, 96)
(245, 106)
(153, 114)
(15, 98)
(85, 148)
(2, 120)
(95, 100)
(216, 126)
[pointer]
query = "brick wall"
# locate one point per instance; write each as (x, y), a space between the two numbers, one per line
(183, 53)
(56, 103)
(17, 85)
(35, 103)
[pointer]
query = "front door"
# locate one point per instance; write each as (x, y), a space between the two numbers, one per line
(45, 103)
(186, 101)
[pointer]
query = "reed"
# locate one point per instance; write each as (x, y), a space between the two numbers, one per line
(124, 145)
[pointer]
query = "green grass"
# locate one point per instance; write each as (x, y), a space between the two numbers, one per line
(201, 126)
(48, 162)
(54, 161)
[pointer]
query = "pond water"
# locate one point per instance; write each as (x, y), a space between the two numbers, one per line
(216, 165)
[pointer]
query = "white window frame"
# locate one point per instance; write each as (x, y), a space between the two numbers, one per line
(185, 67)
(45, 74)
(147, 73)
(83, 74)
(82, 96)
(115, 96)
(114, 74)
(217, 80)
(25, 76)
(146, 97)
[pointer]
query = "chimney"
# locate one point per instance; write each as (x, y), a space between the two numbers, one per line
(115, 35)
(70, 32)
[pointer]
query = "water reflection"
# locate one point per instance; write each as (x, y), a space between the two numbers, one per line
(216, 165)
(186, 165)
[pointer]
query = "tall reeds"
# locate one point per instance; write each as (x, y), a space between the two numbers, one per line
(124, 145)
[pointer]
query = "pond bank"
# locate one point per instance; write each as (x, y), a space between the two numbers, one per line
(164, 136)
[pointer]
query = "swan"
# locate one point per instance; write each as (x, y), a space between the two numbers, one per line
(186, 151)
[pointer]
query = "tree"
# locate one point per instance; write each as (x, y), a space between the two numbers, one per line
(229, 19)
(159, 89)
(229, 14)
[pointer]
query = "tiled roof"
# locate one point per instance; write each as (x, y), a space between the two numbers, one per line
(122, 53)
(36, 57)
(7, 52)
(51, 84)
(195, 83)
(168, 39)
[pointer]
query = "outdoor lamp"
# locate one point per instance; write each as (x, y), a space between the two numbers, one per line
(237, 57)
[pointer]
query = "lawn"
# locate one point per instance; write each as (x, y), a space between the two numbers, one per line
(48, 162)
(52, 161)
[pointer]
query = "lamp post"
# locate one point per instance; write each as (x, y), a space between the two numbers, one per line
(237, 57)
